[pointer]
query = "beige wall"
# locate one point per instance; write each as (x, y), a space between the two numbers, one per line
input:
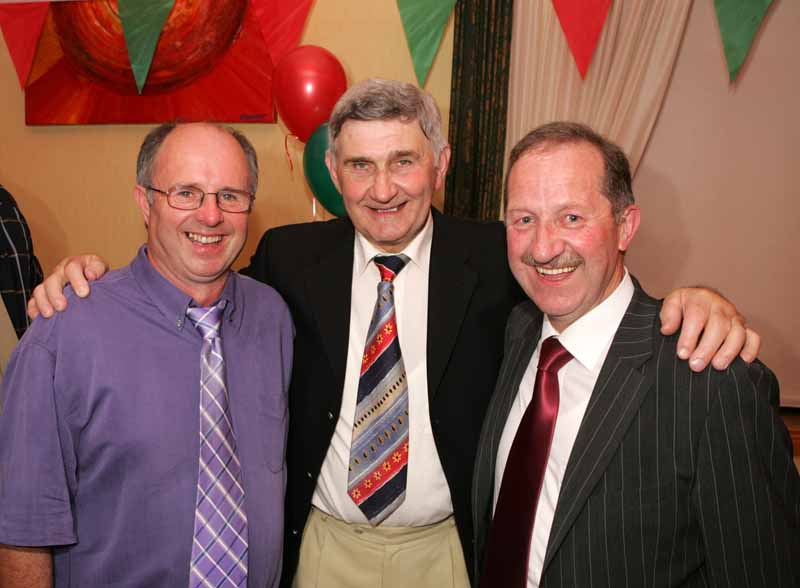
(74, 183)
(719, 203)
(717, 184)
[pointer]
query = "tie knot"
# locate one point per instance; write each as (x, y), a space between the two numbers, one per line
(553, 356)
(206, 319)
(390, 265)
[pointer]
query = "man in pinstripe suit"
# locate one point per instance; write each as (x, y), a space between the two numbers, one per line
(656, 475)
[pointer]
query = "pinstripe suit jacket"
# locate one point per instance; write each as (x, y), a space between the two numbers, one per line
(675, 478)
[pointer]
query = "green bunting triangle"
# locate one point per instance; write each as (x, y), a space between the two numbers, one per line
(738, 23)
(142, 21)
(424, 22)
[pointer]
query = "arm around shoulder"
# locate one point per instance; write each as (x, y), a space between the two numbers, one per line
(48, 297)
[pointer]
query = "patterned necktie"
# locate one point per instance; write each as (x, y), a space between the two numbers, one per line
(376, 480)
(219, 549)
(509, 543)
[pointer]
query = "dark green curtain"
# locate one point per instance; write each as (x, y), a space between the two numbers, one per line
(478, 99)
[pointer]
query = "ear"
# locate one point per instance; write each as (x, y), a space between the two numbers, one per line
(140, 195)
(441, 167)
(332, 170)
(628, 225)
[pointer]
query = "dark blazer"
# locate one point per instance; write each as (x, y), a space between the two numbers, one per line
(471, 293)
(675, 478)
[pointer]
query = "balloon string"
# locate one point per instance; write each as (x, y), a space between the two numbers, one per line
(286, 151)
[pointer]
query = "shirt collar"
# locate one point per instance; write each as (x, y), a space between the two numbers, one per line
(588, 337)
(418, 250)
(173, 302)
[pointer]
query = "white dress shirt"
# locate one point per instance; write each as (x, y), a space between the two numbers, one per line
(427, 494)
(588, 339)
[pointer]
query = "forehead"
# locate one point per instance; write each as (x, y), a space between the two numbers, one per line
(373, 138)
(200, 150)
(571, 170)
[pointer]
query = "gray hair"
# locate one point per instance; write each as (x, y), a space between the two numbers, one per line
(379, 99)
(155, 138)
(616, 185)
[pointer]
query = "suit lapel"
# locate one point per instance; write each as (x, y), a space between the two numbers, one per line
(328, 285)
(620, 389)
(526, 323)
(516, 358)
(451, 282)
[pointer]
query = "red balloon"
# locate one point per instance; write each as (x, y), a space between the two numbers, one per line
(306, 83)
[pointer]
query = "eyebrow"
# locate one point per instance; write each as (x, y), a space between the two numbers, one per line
(392, 156)
(357, 159)
(407, 153)
(220, 189)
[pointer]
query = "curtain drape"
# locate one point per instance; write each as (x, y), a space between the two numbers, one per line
(478, 99)
(626, 82)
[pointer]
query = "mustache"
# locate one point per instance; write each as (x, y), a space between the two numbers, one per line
(555, 263)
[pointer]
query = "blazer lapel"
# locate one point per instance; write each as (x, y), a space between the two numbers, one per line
(620, 389)
(526, 324)
(516, 358)
(451, 283)
(328, 285)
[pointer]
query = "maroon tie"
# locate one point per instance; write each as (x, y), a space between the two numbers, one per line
(509, 545)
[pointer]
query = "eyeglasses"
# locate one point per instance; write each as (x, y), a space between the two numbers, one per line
(191, 198)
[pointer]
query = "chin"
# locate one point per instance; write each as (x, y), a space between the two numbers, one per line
(552, 306)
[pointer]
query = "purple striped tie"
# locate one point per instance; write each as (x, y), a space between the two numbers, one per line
(376, 480)
(219, 549)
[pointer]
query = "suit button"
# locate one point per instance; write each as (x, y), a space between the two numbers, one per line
(294, 532)
(330, 416)
(309, 475)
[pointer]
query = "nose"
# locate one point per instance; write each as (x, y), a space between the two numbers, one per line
(546, 243)
(209, 213)
(384, 188)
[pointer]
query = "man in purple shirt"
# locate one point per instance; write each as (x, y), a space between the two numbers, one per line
(101, 419)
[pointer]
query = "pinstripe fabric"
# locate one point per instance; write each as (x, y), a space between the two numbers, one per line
(675, 479)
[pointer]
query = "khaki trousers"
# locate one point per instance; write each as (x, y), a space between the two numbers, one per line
(335, 554)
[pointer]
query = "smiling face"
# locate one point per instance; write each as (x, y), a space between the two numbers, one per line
(564, 245)
(387, 174)
(194, 249)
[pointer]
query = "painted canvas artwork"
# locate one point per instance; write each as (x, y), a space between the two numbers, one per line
(210, 63)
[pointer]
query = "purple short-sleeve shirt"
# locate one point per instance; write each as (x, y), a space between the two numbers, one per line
(99, 430)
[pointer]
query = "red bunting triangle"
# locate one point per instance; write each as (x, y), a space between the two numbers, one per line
(22, 25)
(582, 22)
(282, 23)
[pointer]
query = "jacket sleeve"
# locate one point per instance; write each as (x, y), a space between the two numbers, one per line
(747, 490)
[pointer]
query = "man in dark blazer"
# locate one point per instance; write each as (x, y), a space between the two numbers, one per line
(382, 134)
(656, 475)
(470, 294)
(388, 157)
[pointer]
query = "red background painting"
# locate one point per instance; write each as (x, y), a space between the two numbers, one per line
(213, 62)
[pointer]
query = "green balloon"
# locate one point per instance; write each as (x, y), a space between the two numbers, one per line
(316, 172)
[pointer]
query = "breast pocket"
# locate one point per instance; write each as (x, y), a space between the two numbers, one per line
(262, 417)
